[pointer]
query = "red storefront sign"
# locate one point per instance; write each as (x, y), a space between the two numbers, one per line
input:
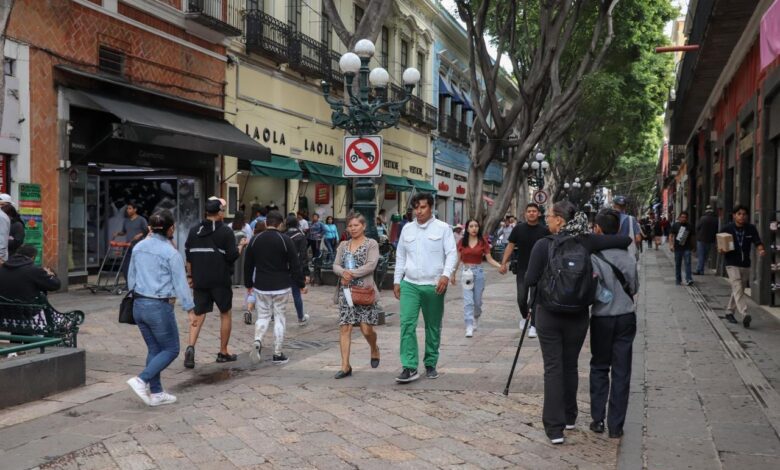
(322, 193)
(3, 174)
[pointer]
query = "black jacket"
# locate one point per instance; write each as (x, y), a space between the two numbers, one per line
(301, 244)
(21, 279)
(211, 250)
(707, 228)
(16, 235)
(272, 261)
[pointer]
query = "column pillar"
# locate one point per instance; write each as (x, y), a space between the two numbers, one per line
(291, 202)
(339, 202)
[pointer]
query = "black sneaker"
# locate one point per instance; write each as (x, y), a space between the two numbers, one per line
(730, 318)
(616, 434)
(189, 357)
(746, 321)
(597, 426)
(431, 372)
(407, 375)
(279, 359)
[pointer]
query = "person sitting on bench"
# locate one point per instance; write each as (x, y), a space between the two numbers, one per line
(22, 280)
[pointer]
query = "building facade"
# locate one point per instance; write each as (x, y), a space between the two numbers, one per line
(725, 126)
(273, 85)
(118, 101)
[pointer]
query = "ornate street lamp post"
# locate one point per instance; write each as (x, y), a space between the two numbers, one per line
(538, 168)
(366, 114)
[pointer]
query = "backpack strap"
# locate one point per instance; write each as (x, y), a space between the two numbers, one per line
(617, 272)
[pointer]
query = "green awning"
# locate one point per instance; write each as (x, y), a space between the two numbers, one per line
(423, 186)
(397, 183)
(323, 173)
(279, 167)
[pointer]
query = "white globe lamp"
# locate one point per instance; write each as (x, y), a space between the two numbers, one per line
(349, 63)
(365, 48)
(379, 78)
(411, 76)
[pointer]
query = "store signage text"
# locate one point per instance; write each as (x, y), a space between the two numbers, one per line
(317, 147)
(460, 178)
(391, 164)
(267, 135)
(416, 170)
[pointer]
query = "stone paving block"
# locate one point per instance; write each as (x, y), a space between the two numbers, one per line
(691, 424)
(243, 457)
(745, 438)
(663, 453)
(725, 408)
(746, 461)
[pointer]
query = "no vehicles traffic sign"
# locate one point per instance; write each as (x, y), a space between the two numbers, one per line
(362, 156)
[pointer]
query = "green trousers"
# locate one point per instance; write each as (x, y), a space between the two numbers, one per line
(414, 298)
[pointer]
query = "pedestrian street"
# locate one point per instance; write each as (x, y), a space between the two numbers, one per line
(689, 406)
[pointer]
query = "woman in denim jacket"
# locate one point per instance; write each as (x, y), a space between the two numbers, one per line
(157, 277)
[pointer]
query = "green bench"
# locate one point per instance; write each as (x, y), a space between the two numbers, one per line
(37, 324)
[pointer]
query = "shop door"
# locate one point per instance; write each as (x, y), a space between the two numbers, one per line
(728, 195)
(441, 209)
(84, 221)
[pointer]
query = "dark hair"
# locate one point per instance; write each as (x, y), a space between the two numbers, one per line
(259, 227)
(534, 205)
(428, 197)
(316, 215)
(740, 207)
(28, 251)
(263, 211)
(683, 213)
(356, 215)
(291, 221)
(160, 222)
(274, 219)
(10, 211)
(564, 209)
(609, 221)
(465, 240)
(238, 221)
(330, 217)
(131, 204)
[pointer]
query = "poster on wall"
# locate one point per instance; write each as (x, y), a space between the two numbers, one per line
(390, 194)
(32, 216)
(322, 193)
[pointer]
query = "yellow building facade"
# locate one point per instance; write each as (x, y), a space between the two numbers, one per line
(274, 96)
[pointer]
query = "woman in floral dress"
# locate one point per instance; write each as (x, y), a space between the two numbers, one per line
(363, 253)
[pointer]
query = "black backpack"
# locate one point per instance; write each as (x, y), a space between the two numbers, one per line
(567, 284)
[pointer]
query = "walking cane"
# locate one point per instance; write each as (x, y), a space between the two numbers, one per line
(520, 345)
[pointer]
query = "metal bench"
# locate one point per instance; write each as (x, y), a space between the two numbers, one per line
(320, 264)
(37, 324)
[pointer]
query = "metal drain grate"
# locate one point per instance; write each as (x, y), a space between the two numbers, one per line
(299, 344)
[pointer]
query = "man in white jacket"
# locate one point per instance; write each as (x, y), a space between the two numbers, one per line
(425, 259)
(5, 229)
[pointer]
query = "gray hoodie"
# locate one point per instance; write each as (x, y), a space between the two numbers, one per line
(621, 302)
(5, 232)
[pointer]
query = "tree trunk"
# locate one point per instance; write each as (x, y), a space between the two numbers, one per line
(474, 187)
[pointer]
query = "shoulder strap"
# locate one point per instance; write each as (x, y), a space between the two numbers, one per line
(618, 273)
(284, 243)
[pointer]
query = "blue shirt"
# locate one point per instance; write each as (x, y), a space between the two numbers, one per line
(316, 231)
(157, 270)
(625, 228)
(331, 231)
(254, 222)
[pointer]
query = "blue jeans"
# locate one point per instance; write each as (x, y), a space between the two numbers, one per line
(702, 253)
(681, 256)
(298, 301)
(157, 322)
(472, 298)
(330, 244)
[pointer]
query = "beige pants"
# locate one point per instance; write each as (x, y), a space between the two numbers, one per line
(738, 278)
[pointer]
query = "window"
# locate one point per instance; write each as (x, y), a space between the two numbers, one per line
(294, 14)
(326, 31)
(254, 5)
(111, 61)
(421, 68)
(358, 16)
(385, 58)
(404, 54)
(9, 67)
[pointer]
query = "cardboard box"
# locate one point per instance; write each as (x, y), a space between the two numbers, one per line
(725, 242)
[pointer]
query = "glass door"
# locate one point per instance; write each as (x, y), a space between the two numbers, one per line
(77, 226)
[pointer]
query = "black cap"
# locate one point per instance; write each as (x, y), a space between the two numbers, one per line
(213, 206)
(619, 200)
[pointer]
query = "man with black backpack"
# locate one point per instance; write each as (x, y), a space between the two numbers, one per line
(612, 330)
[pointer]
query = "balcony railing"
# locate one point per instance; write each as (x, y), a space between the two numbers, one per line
(454, 130)
(431, 116)
(214, 14)
(310, 57)
(267, 35)
(415, 109)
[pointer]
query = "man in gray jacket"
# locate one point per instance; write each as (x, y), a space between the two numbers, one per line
(612, 330)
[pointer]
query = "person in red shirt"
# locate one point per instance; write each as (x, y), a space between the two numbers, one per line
(472, 248)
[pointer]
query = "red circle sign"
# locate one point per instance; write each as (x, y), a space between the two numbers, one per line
(354, 152)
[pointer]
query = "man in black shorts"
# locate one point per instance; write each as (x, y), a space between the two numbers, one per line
(211, 251)
(521, 241)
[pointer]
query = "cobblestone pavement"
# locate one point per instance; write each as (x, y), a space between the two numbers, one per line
(690, 405)
(296, 415)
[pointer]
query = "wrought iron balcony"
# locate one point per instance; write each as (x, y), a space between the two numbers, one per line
(310, 57)
(416, 110)
(212, 14)
(267, 36)
(336, 77)
(431, 116)
(454, 130)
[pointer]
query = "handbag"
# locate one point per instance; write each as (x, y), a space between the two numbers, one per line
(363, 295)
(126, 309)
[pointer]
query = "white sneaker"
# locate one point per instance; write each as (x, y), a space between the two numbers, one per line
(162, 398)
(557, 441)
(304, 320)
(476, 323)
(522, 323)
(139, 387)
(532, 332)
(570, 427)
(254, 355)
(469, 331)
